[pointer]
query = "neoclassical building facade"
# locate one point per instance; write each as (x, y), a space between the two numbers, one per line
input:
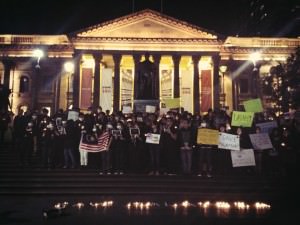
(97, 65)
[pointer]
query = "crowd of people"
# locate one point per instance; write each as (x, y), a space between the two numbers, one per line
(55, 141)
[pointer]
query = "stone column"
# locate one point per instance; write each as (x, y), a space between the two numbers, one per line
(196, 93)
(176, 61)
(76, 80)
(96, 93)
(117, 60)
(8, 66)
(216, 83)
(156, 62)
(35, 85)
(136, 59)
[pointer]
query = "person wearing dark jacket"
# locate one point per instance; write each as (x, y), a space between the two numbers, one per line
(69, 144)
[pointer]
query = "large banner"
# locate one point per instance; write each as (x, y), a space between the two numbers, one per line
(207, 136)
(229, 141)
(106, 89)
(86, 88)
(243, 119)
(253, 105)
(186, 94)
(166, 82)
(245, 157)
(267, 127)
(127, 86)
(206, 90)
(261, 141)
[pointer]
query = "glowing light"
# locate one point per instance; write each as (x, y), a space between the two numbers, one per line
(222, 205)
(79, 205)
(185, 204)
(260, 205)
(175, 205)
(255, 56)
(69, 67)
(38, 53)
(206, 204)
(241, 205)
(223, 69)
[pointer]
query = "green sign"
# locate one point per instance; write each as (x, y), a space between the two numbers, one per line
(253, 105)
(243, 119)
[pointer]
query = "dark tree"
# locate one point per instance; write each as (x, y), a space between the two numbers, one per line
(283, 84)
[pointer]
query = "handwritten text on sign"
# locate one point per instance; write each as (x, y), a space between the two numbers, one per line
(243, 119)
(207, 136)
(229, 141)
(245, 157)
(260, 141)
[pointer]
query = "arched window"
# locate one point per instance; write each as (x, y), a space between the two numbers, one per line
(24, 84)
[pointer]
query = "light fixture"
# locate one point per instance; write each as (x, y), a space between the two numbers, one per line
(254, 57)
(223, 69)
(38, 54)
(69, 67)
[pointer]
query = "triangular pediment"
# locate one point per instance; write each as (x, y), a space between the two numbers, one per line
(146, 24)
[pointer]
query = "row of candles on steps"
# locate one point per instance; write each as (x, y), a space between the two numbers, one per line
(184, 204)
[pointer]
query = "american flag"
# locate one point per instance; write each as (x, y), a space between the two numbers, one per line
(90, 144)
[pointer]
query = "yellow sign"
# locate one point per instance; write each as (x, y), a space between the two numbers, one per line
(207, 136)
(172, 103)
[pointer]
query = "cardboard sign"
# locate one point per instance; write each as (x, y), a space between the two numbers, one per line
(267, 127)
(261, 141)
(134, 131)
(243, 119)
(172, 103)
(245, 157)
(207, 136)
(150, 109)
(127, 109)
(73, 115)
(153, 138)
(229, 141)
(253, 105)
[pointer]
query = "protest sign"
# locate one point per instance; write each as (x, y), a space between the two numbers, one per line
(207, 136)
(127, 109)
(267, 127)
(261, 141)
(172, 103)
(134, 131)
(229, 141)
(245, 157)
(73, 115)
(152, 138)
(243, 119)
(150, 109)
(253, 105)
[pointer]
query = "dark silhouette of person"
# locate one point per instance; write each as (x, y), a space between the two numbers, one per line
(145, 84)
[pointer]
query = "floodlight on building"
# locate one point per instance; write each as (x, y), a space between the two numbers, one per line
(38, 54)
(69, 67)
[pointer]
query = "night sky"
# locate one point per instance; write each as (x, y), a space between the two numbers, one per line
(231, 17)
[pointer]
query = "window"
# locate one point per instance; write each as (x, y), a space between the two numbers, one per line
(244, 86)
(24, 84)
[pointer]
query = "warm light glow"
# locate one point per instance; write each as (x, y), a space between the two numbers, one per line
(69, 67)
(223, 69)
(222, 205)
(255, 56)
(38, 53)
(260, 205)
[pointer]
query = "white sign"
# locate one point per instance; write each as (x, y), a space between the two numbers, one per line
(73, 115)
(150, 109)
(261, 141)
(245, 157)
(153, 138)
(229, 141)
(106, 89)
(267, 127)
(127, 109)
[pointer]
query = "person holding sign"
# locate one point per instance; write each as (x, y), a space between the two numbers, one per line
(186, 139)
(154, 150)
(118, 148)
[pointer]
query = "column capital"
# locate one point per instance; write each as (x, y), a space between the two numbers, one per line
(117, 59)
(176, 58)
(97, 56)
(156, 58)
(196, 58)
